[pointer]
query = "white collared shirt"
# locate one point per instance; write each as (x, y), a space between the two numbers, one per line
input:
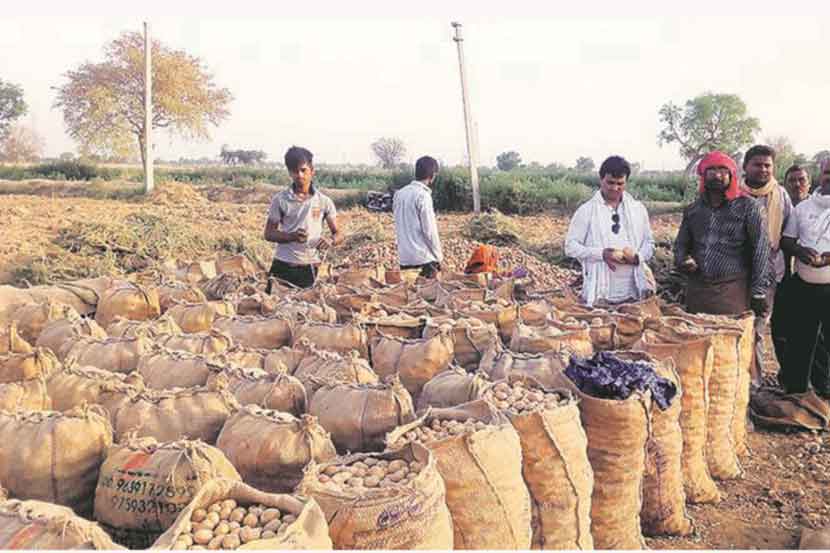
(416, 229)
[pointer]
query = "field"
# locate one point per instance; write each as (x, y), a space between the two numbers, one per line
(55, 231)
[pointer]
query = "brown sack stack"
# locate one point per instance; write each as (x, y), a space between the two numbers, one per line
(60, 336)
(74, 386)
(554, 461)
(164, 370)
(555, 336)
(257, 332)
(37, 525)
(271, 449)
(130, 301)
(31, 395)
(15, 367)
(11, 342)
(144, 485)
(399, 512)
(32, 318)
(202, 343)
(172, 293)
(54, 457)
(746, 353)
(337, 338)
(452, 387)
(414, 361)
(278, 391)
(471, 338)
(499, 363)
(125, 328)
(500, 313)
(479, 457)
(199, 317)
(324, 367)
(279, 522)
(120, 355)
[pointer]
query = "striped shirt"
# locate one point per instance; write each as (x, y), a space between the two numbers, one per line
(726, 242)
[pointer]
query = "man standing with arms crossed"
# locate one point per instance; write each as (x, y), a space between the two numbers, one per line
(416, 230)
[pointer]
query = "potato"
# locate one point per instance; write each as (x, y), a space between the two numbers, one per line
(187, 538)
(234, 526)
(396, 476)
(250, 520)
(179, 545)
(225, 513)
(331, 470)
(268, 535)
(288, 519)
(196, 548)
(203, 536)
(371, 481)
(250, 534)
(229, 504)
(341, 477)
(359, 472)
(355, 482)
(215, 543)
(215, 508)
(396, 465)
(370, 461)
(222, 528)
(256, 510)
(324, 479)
(211, 520)
(269, 514)
(231, 542)
(273, 525)
(198, 515)
(238, 514)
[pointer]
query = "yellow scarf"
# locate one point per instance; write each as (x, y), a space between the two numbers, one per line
(775, 213)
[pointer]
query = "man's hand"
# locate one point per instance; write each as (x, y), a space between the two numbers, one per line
(323, 245)
(809, 256)
(689, 265)
(759, 305)
(610, 258)
(300, 235)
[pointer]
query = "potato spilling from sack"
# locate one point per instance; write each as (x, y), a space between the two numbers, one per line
(227, 525)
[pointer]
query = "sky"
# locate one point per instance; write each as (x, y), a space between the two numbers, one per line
(551, 82)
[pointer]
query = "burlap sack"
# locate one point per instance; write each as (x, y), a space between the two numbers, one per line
(221, 287)
(649, 308)
(471, 338)
(414, 361)
(499, 363)
(118, 355)
(60, 336)
(37, 525)
(399, 295)
(618, 433)
(167, 369)
(53, 456)
(555, 336)
(203, 343)
(408, 516)
(257, 332)
(746, 353)
(556, 469)
(325, 367)
(451, 388)
(609, 330)
(308, 532)
(359, 416)
(131, 301)
(172, 293)
(11, 342)
(284, 445)
(693, 356)
(11, 298)
(482, 471)
(247, 358)
(195, 272)
(144, 485)
(278, 391)
(170, 415)
(332, 337)
(199, 317)
(41, 363)
(398, 325)
(238, 265)
(74, 386)
(32, 318)
(31, 395)
(83, 295)
(501, 313)
(361, 276)
(354, 305)
(664, 501)
(537, 312)
(125, 328)
(300, 311)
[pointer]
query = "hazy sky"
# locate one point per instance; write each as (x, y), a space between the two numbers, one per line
(552, 83)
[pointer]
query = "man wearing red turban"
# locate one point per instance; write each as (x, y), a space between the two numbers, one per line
(723, 244)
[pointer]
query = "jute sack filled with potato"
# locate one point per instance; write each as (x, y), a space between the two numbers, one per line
(55, 456)
(333, 337)
(398, 325)
(199, 317)
(195, 272)
(258, 303)
(169, 415)
(278, 391)
(172, 293)
(165, 369)
(221, 286)
(31, 395)
(556, 336)
(15, 367)
(284, 446)
(451, 388)
(131, 301)
(74, 386)
(414, 361)
(247, 358)
(212, 342)
(238, 265)
(555, 464)
(478, 455)
(300, 311)
(120, 355)
(501, 313)
(11, 342)
(401, 504)
(353, 304)
(257, 332)
(664, 500)
(725, 394)
(268, 521)
(361, 276)
(690, 348)
(358, 416)
(470, 338)
(125, 328)
(325, 367)
(618, 434)
(60, 336)
(499, 363)
(284, 359)
(36, 525)
(83, 295)
(649, 308)
(32, 318)
(746, 353)
(144, 485)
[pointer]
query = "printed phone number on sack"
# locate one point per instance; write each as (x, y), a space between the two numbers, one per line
(130, 505)
(142, 487)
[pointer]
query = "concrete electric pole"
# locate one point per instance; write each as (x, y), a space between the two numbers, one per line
(148, 112)
(471, 131)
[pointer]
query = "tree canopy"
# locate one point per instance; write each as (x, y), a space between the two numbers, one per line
(585, 164)
(389, 151)
(12, 106)
(507, 161)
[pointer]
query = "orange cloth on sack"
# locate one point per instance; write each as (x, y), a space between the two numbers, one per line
(485, 259)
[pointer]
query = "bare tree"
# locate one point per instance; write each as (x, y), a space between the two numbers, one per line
(21, 144)
(389, 151)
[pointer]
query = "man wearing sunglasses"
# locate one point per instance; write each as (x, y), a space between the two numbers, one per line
(723, 244)
(611, 237)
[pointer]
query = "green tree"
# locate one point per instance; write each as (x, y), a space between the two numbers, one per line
(389, 151)
(585, 165)
(821, 157)
(103, 103)
(785, 155)
(12, 106)
(507, 161)
(708, 122)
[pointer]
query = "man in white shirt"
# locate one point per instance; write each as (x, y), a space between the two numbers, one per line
(807, 237)
(610, 236)
(416, 230)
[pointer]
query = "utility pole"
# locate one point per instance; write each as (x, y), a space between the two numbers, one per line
(472, 154)
(148, 112)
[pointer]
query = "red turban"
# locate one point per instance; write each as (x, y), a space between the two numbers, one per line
(720, 159)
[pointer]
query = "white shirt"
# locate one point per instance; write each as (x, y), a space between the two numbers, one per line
(292, 214)
(809, 223)
(416, 229)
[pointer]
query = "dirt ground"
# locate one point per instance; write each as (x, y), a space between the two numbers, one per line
(786, 485)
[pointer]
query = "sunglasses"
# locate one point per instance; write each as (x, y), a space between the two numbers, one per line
(615, 218)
